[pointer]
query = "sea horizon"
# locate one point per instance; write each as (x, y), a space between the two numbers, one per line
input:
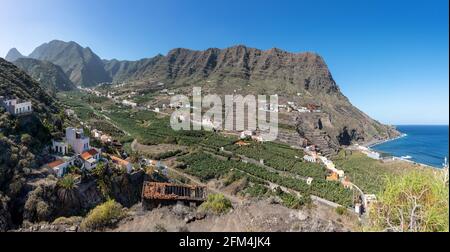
(422, 143)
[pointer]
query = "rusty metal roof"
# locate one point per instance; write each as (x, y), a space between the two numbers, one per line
(156, 190)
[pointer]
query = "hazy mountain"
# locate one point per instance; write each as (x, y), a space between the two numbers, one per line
(81, 65)
(13, 55)
(49, 75)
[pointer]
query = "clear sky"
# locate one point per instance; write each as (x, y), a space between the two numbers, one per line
(390, 58)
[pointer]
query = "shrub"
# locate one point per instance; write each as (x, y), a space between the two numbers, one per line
(159, 228)
(256, 191)
(414, 202)
(43, 210)
(26, 139)
(341, 210)
(292, 201)
(74, 170)
(216, 203)
(67, 182)
(67, 220)
(103, 215)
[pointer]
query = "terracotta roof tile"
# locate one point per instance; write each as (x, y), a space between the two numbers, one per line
(55, 163)
(88, 154)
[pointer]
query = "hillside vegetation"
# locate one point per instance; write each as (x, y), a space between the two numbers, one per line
(22, 138)
(414, 202)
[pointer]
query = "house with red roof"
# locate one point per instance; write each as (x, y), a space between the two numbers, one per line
(90, 158)
(60, 165)
(122, 163)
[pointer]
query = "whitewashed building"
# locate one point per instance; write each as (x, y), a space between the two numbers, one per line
(90, 158)
(77, 140)
(61, 165)
(309, 158)
(16, 106)
(129, 103)
(61, 147)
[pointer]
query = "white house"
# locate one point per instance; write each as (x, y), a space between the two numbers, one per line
(77, 140)
(303, 110)
(129, 103)
(105, 139)
(60, 166)
(309, 158)
(122, 163)
(372, 154)
(61, 147)
(69, 112)
(246, 133)
(96, 133)
(90, 158)
(15, 106)
(340, 173)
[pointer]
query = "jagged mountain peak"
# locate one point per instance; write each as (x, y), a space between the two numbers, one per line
(13, 54)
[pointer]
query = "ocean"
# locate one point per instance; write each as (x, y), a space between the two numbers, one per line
(426, 144)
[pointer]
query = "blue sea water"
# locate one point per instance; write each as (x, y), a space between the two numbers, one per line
(426, 144)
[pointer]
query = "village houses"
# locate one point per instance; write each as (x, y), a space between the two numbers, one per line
(75, 145)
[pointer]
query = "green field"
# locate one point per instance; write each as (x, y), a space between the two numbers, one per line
(281, 157)
(206, 167)
(367, 173)
(150, 128)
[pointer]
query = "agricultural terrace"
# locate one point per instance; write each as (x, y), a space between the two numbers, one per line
(208, 161)
(207, 166)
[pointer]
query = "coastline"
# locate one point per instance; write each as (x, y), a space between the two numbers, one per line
(391, 157)
(373, 143)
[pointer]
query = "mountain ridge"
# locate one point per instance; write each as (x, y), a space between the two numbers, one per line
(303, 77)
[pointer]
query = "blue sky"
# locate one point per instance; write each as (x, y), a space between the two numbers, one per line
(390, 58)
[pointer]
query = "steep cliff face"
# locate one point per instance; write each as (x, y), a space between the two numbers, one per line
(267, 70)
(49, 75)
(300, 77)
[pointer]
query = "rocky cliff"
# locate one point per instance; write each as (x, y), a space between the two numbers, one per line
(300, 77)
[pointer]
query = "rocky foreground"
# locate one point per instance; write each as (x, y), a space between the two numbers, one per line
(253, 216)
